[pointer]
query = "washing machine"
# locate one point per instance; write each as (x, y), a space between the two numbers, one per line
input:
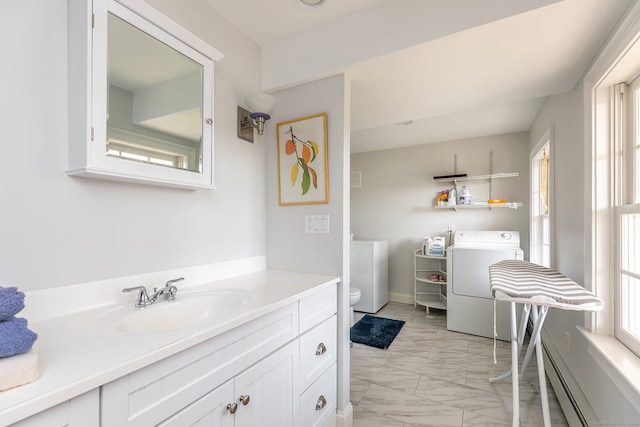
(469, 300)
(370, 273)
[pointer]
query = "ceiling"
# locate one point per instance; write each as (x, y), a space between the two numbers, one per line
(453, 68)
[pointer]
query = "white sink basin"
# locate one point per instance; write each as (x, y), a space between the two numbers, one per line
(188, 309)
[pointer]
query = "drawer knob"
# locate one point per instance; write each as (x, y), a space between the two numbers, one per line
(321, 349)
(232, 407)
(321, 403)
(244, 399)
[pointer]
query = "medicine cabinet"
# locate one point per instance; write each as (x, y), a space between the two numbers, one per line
(140, 96)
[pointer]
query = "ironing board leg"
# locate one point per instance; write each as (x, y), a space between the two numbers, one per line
(543, 386)
(537, 315)
(514, 367)
(523, 323)
(541, 376)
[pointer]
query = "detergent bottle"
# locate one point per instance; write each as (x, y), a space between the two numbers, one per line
(425, 245)
(442, 198)
(465, 196)
(452, 197)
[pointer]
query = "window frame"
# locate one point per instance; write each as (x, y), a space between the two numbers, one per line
(626, 199)
(537, 219)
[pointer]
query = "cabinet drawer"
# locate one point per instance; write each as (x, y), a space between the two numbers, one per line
(318, 403)
(318, 307)
(317, 351)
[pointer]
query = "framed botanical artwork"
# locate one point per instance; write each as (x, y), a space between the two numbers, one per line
(303, 177)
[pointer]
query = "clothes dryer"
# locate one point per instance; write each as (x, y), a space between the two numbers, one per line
(470, 305)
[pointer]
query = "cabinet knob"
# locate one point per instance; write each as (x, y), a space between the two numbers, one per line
(244, 399)
(232, 407)
(321, 403)
(321, 349)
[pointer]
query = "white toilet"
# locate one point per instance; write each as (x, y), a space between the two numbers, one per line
(354, 298)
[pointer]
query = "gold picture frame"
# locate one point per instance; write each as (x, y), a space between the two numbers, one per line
(303, 177)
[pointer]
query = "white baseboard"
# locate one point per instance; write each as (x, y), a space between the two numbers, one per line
(403, 298)
(345, 418)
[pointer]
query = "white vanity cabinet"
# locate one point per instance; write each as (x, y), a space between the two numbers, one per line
(248, 376)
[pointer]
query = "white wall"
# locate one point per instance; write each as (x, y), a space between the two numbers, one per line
(288, 247)
(565, 114)
(57, 230)
(395, 202)
(287, 244)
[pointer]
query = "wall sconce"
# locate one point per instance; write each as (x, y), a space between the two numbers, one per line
(260, 104)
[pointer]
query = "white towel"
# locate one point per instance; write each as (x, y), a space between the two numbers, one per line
(18, 370)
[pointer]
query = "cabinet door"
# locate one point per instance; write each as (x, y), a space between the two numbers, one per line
(265, 392)
(211, 410)
(81, 411)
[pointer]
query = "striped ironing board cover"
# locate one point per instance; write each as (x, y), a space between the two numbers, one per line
(528, 283)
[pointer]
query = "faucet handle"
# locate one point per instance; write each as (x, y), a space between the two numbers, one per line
(143, 299)
(171, 293)
(171, 290)
(171, 282)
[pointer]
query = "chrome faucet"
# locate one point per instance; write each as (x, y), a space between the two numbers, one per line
(169, 291)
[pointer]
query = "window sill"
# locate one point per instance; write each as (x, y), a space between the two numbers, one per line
(618, 362)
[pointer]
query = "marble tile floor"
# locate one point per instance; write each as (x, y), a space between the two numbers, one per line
(430, 376)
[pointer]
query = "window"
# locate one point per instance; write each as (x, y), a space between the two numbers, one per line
(540, 248)
(146, 149)
(627, 214)
(145, 154)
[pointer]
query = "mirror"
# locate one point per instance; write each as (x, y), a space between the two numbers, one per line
(154, 100)
(145, 93)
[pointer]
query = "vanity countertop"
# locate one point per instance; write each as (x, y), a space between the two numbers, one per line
(74, 359)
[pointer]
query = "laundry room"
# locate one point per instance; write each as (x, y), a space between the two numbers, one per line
(396, 198)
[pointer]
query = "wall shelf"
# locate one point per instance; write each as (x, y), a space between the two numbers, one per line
(483, 205)
(489, 177)
(478, 177)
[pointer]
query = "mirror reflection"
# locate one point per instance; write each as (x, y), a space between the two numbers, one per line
(154, 100)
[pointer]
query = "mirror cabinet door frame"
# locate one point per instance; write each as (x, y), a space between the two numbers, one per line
(88, 93)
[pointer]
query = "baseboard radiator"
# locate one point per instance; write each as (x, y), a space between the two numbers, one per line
(574, 404)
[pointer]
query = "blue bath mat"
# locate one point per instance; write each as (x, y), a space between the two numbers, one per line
(375, 331)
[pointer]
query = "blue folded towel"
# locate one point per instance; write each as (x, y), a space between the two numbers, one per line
(15, 337)
(11, 302)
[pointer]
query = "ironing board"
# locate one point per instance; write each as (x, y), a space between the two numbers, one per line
(538, 288)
